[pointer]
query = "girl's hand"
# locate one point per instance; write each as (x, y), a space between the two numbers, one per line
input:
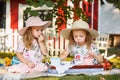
(91, 55)
(41, 38)
(31, 64)
(64, 54)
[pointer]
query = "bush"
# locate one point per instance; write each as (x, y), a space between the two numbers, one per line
(114, 51)
(115, 62)
(7, 54)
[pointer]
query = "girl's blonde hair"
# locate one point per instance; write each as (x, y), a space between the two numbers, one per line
(89, 39)
(28, 38)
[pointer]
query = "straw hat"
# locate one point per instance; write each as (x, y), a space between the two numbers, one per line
(34, 21)
(79, 24)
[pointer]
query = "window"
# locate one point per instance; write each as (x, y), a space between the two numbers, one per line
(2, 13)
(45, 15)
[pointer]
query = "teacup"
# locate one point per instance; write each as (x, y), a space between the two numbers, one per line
(55, 61)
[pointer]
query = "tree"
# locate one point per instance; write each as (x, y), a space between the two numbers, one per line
(56, 4)
(116, 3)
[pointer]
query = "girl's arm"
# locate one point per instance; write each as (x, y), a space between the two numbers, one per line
(64, 54)
(22, 59)
(96, 53)
(42, 44)
(43, 48)
(99, 57)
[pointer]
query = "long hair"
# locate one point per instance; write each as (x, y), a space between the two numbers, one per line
(28, 38)
(88, 40)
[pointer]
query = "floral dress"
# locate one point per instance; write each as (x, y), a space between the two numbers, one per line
(81, 54)
(34, 55)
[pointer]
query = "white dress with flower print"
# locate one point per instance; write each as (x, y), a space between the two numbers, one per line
(34, 55)
(81, 54)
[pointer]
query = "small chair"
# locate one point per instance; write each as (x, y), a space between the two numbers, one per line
(102, 42)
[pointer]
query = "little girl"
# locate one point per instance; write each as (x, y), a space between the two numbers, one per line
(31, 47)
(80, 45)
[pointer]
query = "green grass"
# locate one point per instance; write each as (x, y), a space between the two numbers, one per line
(80, 77)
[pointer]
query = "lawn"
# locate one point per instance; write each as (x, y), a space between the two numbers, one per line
(80, 77)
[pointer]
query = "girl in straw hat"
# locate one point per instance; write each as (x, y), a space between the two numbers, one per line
(80, 45)
(31, 47)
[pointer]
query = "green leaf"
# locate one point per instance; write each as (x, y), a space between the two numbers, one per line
(41, 3)
(49, 16)
(30, 2)
(27, 10)
(34, 13)
(90, 0)
(60, 3)
(36, 4)
(49, 3)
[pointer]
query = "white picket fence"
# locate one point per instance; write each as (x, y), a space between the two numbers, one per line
(55, 43)
(8, 39)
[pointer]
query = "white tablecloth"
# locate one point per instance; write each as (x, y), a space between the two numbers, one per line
(18, 76)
